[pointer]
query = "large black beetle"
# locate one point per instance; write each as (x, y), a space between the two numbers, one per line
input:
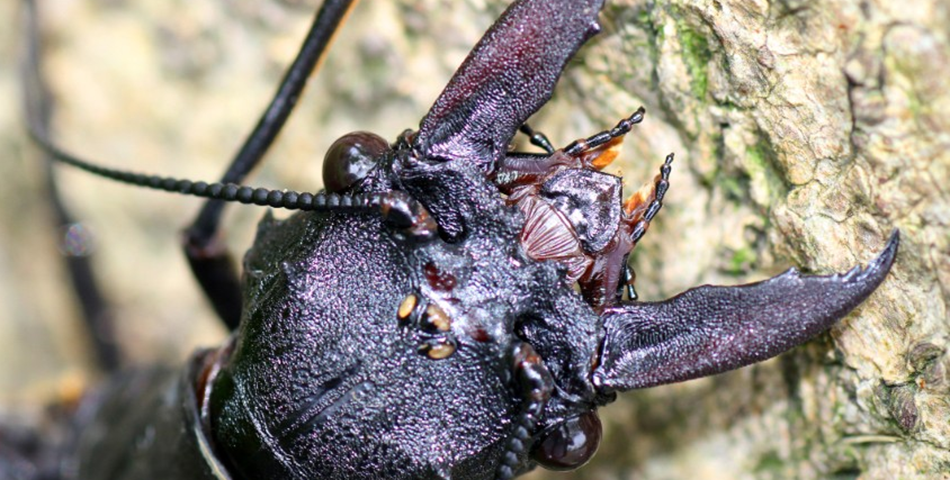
(449, 308)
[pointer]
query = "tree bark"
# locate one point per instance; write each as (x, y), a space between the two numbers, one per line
(805, 132)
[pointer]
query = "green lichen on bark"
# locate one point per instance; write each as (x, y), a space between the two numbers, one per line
(696, 55)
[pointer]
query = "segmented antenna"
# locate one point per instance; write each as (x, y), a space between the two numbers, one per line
(397, 208)
(228, 192)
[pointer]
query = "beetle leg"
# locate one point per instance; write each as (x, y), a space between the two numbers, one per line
(643, 205)
(639, 210)
(709, 330)
(529, 169)
(96, 314)
(537, 138)
(603, 278)
(209, 259)
(600, 149)
(518, 169)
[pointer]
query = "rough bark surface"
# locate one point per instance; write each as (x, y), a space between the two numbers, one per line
(805, 132)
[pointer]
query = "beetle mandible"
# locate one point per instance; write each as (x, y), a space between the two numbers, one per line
(419, 319)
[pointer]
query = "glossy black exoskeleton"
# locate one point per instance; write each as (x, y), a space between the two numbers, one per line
(420, 320)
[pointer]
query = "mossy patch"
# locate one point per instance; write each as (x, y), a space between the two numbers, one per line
(696, 54)
(769, 462)
(741, 261)
(767, 182)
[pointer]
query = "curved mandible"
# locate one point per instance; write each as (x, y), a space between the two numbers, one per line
(709, 330)
(508, 76)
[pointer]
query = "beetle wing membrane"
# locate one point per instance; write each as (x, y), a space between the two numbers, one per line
(711, 329)
(508, 76)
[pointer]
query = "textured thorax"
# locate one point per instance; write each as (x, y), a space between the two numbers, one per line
(384, 334)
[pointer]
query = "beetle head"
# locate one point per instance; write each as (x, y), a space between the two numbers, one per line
(359, 347)
(365, 352)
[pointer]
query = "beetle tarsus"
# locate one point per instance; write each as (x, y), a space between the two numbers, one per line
(596, 140)
(642, 206)
(538, 139)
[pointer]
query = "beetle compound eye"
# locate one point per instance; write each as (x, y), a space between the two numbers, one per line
(350, 158)
(570, 444)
